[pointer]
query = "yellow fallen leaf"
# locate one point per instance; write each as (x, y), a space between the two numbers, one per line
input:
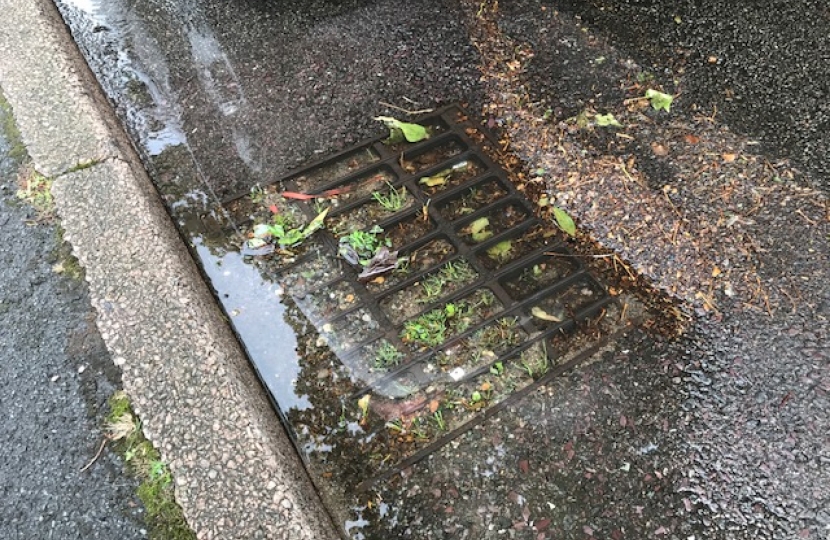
(485, 387)
(716, 272)
(363, 403)
(540, 313)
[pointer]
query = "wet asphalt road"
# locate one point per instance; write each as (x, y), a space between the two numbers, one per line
(764, 64)
(743, 399)
(56, 377)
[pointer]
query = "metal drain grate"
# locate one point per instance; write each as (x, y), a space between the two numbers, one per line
(467, 318)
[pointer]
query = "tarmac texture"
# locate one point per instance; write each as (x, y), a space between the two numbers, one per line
(56, 378)
(721, 433)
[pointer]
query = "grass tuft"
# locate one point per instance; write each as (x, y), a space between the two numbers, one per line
(164, 517)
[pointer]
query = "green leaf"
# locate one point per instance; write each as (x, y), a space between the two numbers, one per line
(501, 250)
(291, 238)
(412, 132)
(479, 224)
(659, 100)
(316, 223)
(605, 120)
(565, 222)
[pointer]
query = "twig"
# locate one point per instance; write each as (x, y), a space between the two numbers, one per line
(97, 455)
(555, 254)
(407, 111)
(808, 220)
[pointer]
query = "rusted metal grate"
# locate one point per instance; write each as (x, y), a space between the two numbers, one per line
(468, 317)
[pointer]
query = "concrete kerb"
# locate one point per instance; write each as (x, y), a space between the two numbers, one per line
(236, 473)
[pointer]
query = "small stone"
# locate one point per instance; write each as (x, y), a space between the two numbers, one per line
(286, 504)
(212, 474)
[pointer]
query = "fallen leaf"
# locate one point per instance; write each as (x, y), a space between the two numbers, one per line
(298, 196)
(363, 404)
(485, 386)
(691, 139)
(659, 149)
(712, 59)
(606, 120)
(412, 132)
(433, 405)
(273, 208)
(542, 524)
(540, 313)
(659, 100)
(565, 222)
(524, 466)
(728, 158)
(716, 272)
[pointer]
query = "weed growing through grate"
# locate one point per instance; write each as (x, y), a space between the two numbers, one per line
(433, 327)
(393, 200)
(534, 362)
(388, 356)
(505, 333)
(361, 247)
(451, 273)
(429, 329)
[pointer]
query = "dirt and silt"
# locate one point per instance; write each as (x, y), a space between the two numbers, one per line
(632, 443)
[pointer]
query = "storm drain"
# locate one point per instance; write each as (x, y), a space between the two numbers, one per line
(428, 275)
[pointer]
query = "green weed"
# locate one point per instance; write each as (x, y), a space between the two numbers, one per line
(164, 516)
(388, 356)
(393, 200)
(36, 189)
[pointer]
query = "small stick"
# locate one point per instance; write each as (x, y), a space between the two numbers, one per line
(407, 111)
(555, 254)
(97, 455)
(802, 214)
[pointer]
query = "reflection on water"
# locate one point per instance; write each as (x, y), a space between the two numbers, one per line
(256, 313)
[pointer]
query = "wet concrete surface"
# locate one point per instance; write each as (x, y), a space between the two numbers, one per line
(721, 433)
(57, 376)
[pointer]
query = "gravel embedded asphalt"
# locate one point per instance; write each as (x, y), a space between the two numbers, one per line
(55, 380)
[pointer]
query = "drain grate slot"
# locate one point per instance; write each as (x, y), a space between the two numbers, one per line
(468, 317)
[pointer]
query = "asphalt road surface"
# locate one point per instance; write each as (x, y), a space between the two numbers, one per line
(55, 379)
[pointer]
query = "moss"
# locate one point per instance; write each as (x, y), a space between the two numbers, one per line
(164, 517)
(9, 131)
(65, 262)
